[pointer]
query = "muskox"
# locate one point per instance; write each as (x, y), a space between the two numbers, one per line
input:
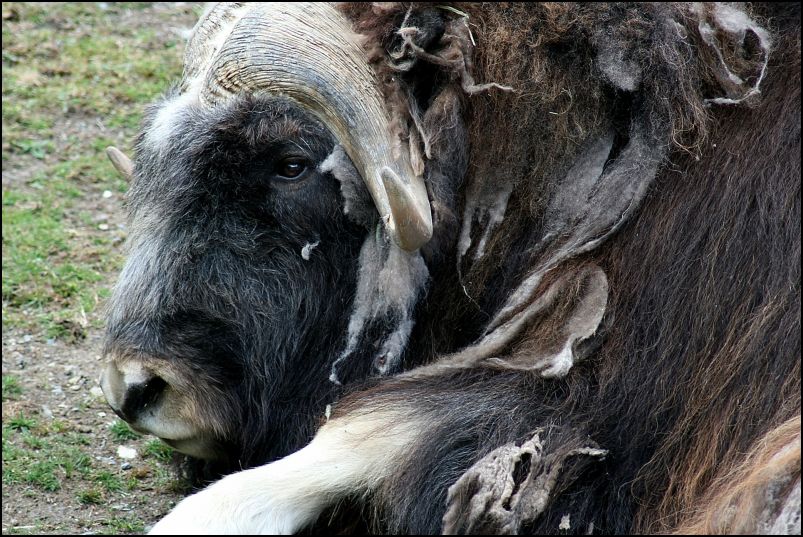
(469, 268)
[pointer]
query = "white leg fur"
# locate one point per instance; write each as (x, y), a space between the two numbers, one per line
(350, 454)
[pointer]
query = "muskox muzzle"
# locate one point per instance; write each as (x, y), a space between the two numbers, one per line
(134, 393)
(155, 398)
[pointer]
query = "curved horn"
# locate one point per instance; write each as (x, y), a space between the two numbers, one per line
(121, 162)
(308, 52)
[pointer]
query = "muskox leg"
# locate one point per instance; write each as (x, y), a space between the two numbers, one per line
(401, 445)
(350, 454)
(487, 440)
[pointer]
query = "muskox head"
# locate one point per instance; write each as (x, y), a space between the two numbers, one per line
(256, 183)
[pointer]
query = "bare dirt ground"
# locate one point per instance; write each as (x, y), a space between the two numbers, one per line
(59, 383)
(76, 77)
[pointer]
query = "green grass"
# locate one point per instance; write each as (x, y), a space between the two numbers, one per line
(40, 459)
(80, 72)
(110, 481)
(60, 74)
(158, 450)
(90, 496)
(21, 423)
(32, 529)
(51, 458)
(47, 456)
(76, 78)
(121, 431)
(47, 268)
(58, 426)
(11, 388)
(126, 524)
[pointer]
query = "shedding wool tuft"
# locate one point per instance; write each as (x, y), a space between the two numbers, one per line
(389, 284)
(357, 204)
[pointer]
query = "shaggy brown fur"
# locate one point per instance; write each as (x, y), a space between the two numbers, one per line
(735, 503)
(729, 317)
(701, 363)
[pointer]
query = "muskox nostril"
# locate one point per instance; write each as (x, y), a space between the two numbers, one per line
(139, 397)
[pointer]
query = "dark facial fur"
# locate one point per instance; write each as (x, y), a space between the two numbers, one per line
(241, 274)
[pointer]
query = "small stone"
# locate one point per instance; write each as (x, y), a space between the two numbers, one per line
(126, 466)
(27, 338)
(56, 390)
(95, 391)
(141, 472)
(125, 452)
(107, 194)
(103, 227)
(46, 412)
(102, 414)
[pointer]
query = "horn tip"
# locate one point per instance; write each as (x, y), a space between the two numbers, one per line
(120, 161)
(410, 218)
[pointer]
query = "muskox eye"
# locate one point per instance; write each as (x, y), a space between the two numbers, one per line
(290, 168)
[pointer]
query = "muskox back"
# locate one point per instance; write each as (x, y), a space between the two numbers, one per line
(708, 286)
(697, 383)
